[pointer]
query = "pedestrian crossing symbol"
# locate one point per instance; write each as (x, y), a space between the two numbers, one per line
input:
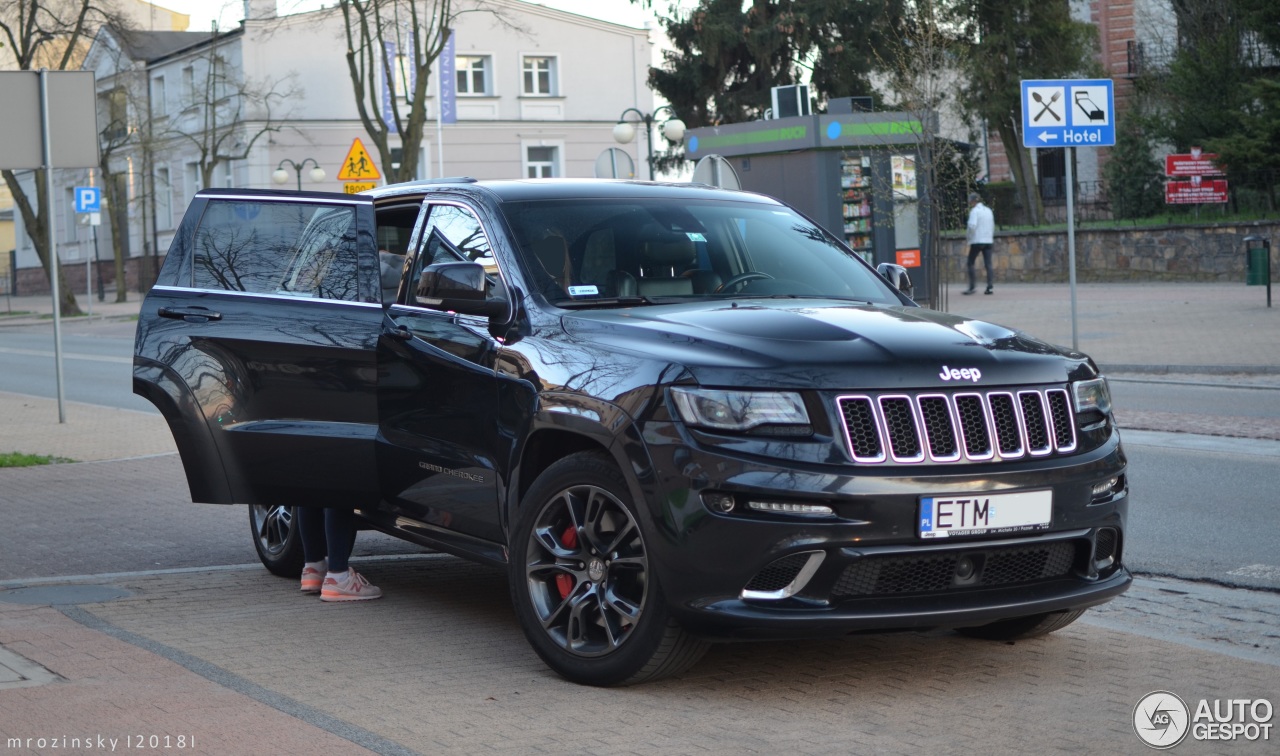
(1068, 113)
(357, 165)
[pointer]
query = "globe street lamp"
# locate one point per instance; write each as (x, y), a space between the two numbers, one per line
(280, 175)
(672, 129)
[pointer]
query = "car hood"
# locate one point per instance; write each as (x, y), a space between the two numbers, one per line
(827, 344)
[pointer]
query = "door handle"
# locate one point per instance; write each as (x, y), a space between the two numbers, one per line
(190, 314)
(401, 333)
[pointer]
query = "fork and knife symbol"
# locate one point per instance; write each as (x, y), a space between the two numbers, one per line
(1047, 109)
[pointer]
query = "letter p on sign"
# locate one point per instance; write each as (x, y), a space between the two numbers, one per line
(88, 199)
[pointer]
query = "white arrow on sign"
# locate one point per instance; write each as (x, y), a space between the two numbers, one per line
(1045, 137)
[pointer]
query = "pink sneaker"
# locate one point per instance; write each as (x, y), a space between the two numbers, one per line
(351, 587)
(312, 578)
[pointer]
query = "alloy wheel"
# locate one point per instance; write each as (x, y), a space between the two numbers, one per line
(587, 571)
(271, 526)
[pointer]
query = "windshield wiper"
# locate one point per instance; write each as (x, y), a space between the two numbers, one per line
(836, 297)
(629, 301)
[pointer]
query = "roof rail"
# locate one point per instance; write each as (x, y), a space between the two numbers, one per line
(445, 180)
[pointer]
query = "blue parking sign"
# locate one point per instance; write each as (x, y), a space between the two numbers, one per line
(88, 199)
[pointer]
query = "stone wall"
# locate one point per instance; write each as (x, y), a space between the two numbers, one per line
(1157, 253)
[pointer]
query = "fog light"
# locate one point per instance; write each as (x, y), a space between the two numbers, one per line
(964, 568)
(1104, 488)
(718, 502)
(786, 507)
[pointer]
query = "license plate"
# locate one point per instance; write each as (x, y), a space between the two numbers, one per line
(985, 514)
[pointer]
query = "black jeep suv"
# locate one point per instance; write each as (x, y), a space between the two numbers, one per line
(674, 414)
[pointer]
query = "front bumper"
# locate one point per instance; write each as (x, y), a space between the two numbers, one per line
(749, 575)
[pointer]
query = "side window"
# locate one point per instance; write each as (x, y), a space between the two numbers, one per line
(395, 230)
(454, 234)
(296, 249)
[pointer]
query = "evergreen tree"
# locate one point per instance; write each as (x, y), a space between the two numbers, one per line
(728, 54)
(1134, 177)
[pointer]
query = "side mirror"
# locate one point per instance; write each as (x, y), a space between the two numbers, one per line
(457, 286)
(898, 278)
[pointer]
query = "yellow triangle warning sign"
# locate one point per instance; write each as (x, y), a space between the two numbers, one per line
(357, 165)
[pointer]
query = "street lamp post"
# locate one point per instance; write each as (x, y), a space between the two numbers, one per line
(672, 129)
(280, 175)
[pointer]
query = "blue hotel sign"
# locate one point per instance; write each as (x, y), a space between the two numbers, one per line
(1068, 113)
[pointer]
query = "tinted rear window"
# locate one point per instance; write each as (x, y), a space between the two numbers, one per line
(294, 249)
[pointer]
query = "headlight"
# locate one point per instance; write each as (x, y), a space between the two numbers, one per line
(739, 410)
(1092, 396)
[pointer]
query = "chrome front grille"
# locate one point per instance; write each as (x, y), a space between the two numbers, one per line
(974, 426)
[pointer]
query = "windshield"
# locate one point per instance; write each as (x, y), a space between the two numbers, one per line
(585, 251)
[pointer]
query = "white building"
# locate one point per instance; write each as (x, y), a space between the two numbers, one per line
(538, 93)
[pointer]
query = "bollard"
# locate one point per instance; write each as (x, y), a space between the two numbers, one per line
(1257, 252)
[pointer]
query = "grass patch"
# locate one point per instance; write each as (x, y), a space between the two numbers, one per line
(18, 459)
(15, 313)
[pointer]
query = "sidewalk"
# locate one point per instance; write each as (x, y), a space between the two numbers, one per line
(1148, 327)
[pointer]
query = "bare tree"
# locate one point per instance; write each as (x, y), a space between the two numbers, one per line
(923, 58)
(51, 34)
(231, 111)
(401, 39)
(116, 136)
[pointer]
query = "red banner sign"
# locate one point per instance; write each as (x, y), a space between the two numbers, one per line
(908, 258)
(1194, 163)
(1195, 192)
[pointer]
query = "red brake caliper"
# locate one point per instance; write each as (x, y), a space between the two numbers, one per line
(564, 582)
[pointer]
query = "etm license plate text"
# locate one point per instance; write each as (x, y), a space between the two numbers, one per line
(984, 514)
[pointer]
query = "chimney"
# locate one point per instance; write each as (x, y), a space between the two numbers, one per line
(259, 10)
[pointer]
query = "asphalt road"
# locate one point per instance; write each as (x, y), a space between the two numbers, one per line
(1198, 395)
(97, 363)
(1205, 515)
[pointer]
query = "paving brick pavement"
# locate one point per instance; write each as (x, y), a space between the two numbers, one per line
(440, 666)
(92, 432)
(125, 695)
(1153, 327)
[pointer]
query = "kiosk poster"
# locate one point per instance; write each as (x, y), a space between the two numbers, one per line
(904, 176)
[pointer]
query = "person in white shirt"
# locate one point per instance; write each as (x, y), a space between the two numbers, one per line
(980, 234)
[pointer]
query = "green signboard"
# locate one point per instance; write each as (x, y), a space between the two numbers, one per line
(803, 133)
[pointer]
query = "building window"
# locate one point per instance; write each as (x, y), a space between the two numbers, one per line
(114, 107)
(193, 180)
(189, 85)
(73, 218)
(405, 77)
(164, 198)
(159, 101)
(539, 75)
(224, 175)
(540, 162)
(473, 75)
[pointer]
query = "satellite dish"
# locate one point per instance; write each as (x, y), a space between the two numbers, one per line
(714, 170)
(614, 163)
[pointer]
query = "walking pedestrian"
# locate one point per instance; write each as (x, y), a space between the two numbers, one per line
(327, 537)
(980, 233)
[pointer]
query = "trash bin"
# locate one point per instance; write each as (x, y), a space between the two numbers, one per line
(1257, 261)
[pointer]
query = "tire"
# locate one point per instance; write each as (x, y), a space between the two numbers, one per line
(1021, 628)
(276, 538)
(582, 584)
